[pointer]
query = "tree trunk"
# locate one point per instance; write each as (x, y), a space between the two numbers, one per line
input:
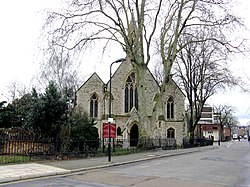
(144, 124)
(191, 140)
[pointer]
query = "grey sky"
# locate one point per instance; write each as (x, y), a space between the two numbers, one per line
(21, 23)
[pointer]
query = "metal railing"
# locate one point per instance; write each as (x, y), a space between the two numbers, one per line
(24, 148)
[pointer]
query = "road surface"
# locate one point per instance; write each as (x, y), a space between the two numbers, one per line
(227, 166)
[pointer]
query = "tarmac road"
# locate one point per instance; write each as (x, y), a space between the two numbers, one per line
(228, 165)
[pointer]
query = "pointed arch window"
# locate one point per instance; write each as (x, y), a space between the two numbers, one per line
(131, 95)
(171, 133)
(170, 108)
(93, 106)
(119, 131)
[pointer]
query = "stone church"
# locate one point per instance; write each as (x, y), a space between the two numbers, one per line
(93, 97)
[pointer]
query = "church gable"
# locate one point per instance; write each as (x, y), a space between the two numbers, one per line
(120, 75)
(124, 91)
(89, 96)
(174, 90)
(92, 81)
(173, 102)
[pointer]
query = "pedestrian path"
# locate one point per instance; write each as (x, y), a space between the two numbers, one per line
(26, 171)
(10, 173)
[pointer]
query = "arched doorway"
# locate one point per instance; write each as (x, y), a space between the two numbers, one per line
(134, 134)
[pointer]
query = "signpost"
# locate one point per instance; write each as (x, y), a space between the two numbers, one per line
(105, 131)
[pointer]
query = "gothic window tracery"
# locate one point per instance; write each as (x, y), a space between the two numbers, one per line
(170, 108)
(131, 95)
(93, 106)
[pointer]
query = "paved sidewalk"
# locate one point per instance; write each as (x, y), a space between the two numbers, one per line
(17, 172)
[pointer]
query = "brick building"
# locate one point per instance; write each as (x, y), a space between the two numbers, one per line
(208, 127)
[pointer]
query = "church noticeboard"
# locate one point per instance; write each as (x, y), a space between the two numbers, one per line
(105, 131)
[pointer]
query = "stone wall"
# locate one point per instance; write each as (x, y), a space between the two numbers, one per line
(95, 85)
(118, 85)
(179, 110)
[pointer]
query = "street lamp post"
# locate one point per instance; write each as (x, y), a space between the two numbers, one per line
(109, 118)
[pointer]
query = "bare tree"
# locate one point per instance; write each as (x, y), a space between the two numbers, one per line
(59, 68)
(135, 25)
(185, 16)
(132, 24)
(225, 116)
(201, 70)
(16, 90)
(158, 72)
(12, 90)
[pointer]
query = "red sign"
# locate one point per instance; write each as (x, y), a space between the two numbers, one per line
(105, 132)
(209, 127)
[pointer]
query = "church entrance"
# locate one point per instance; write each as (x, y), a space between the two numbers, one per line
(134, 134)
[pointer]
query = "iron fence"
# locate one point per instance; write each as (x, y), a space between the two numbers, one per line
(196, 142)
(24, 148)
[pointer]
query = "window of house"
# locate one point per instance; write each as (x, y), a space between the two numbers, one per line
(170, 108)
(93, 106)
(171, 133)
(131, 95)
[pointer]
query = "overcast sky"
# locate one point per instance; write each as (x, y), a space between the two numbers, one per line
(21, 23)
